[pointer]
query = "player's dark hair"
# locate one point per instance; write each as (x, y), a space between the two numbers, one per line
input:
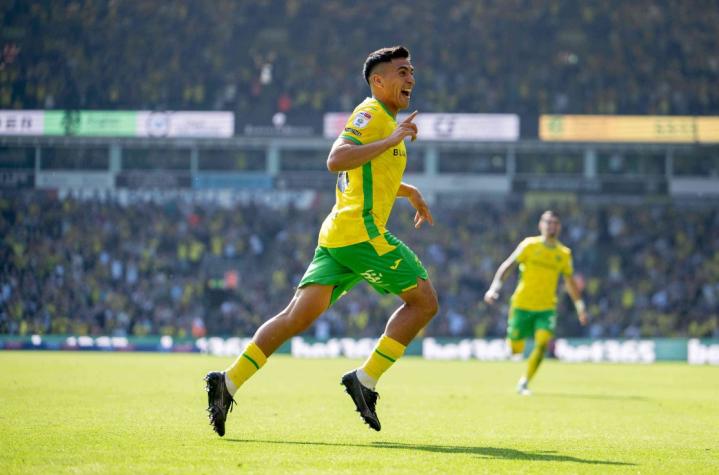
(384, 55)
(553, 213)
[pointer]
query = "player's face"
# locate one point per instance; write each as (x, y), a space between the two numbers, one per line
(398, 82)
(549, 226)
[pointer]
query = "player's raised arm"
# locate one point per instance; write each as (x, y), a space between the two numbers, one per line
(505, 268)
(576, 296)
(416, 199)
(346, 155)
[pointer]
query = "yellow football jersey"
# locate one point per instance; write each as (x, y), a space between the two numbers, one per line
(539, 268)
(365, 195)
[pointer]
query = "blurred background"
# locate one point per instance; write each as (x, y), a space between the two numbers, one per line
(162, 164)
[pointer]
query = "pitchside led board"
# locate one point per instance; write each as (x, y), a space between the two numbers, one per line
(629, 128)
(118, 123)
(449, 127)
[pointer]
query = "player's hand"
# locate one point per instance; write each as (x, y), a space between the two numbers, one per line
(583, 317)
(423, 213)
(491, 296)
(406, 128)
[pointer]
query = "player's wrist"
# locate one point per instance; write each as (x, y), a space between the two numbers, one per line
(580, 306)
(495, 287)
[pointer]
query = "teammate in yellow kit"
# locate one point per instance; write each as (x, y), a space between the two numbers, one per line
(532, 312)
(369, 158)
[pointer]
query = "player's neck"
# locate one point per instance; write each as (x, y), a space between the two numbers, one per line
(387, 106)
(549, 241)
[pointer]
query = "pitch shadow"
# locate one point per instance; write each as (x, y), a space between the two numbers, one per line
(482, 452)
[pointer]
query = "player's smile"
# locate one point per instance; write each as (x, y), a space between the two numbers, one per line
(406, 93)
(403, 79)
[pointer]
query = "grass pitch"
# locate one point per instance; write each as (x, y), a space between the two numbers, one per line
(145, 413)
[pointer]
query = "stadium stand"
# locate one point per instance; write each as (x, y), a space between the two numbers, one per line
(594, 58)
(102, 267)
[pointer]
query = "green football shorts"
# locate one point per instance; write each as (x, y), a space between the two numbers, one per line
(393, 272)
(523, 323)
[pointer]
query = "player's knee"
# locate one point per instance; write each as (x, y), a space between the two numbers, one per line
(430, 304)
(542, 348)
(432, 307)
(516, 346)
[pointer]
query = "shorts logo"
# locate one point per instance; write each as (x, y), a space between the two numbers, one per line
(353, 131)
(371, 276)
(396, 264)
(362, 119)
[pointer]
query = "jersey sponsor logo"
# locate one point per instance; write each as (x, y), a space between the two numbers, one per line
(362, 119)
(396, 264)
(398, 153)
(353, 131)
(371, 276)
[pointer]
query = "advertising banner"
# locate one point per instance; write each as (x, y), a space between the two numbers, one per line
(612, 185)
(21, 122)
(185, 124)
(569, 350)
(153, 179)
(90, 123)
(448, 127)
(16, 180)
(708, 129)
(83, 123)
(82, 180)
(232, 181)
(627, 128)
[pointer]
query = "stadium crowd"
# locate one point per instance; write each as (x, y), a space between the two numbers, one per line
(184, 268)
(613, 57)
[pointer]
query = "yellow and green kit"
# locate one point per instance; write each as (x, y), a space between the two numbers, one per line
(354, 243)
(534, 302)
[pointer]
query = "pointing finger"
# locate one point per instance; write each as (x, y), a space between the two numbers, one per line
(410, 117)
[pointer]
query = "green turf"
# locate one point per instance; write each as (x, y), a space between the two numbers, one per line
(145, 413)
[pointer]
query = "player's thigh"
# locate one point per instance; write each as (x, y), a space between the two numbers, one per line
(310, 301)
(520, 325)
(325, 270)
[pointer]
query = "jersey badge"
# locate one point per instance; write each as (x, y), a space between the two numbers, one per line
(362, 119)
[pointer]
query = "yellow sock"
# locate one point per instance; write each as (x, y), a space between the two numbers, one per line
(541, 340)
(246, 364)
(516, 346)
(384, 355)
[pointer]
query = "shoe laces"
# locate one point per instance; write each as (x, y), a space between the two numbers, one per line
(231, 404)
(370, 397)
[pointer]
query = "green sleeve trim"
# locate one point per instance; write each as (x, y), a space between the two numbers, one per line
(351, 139)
